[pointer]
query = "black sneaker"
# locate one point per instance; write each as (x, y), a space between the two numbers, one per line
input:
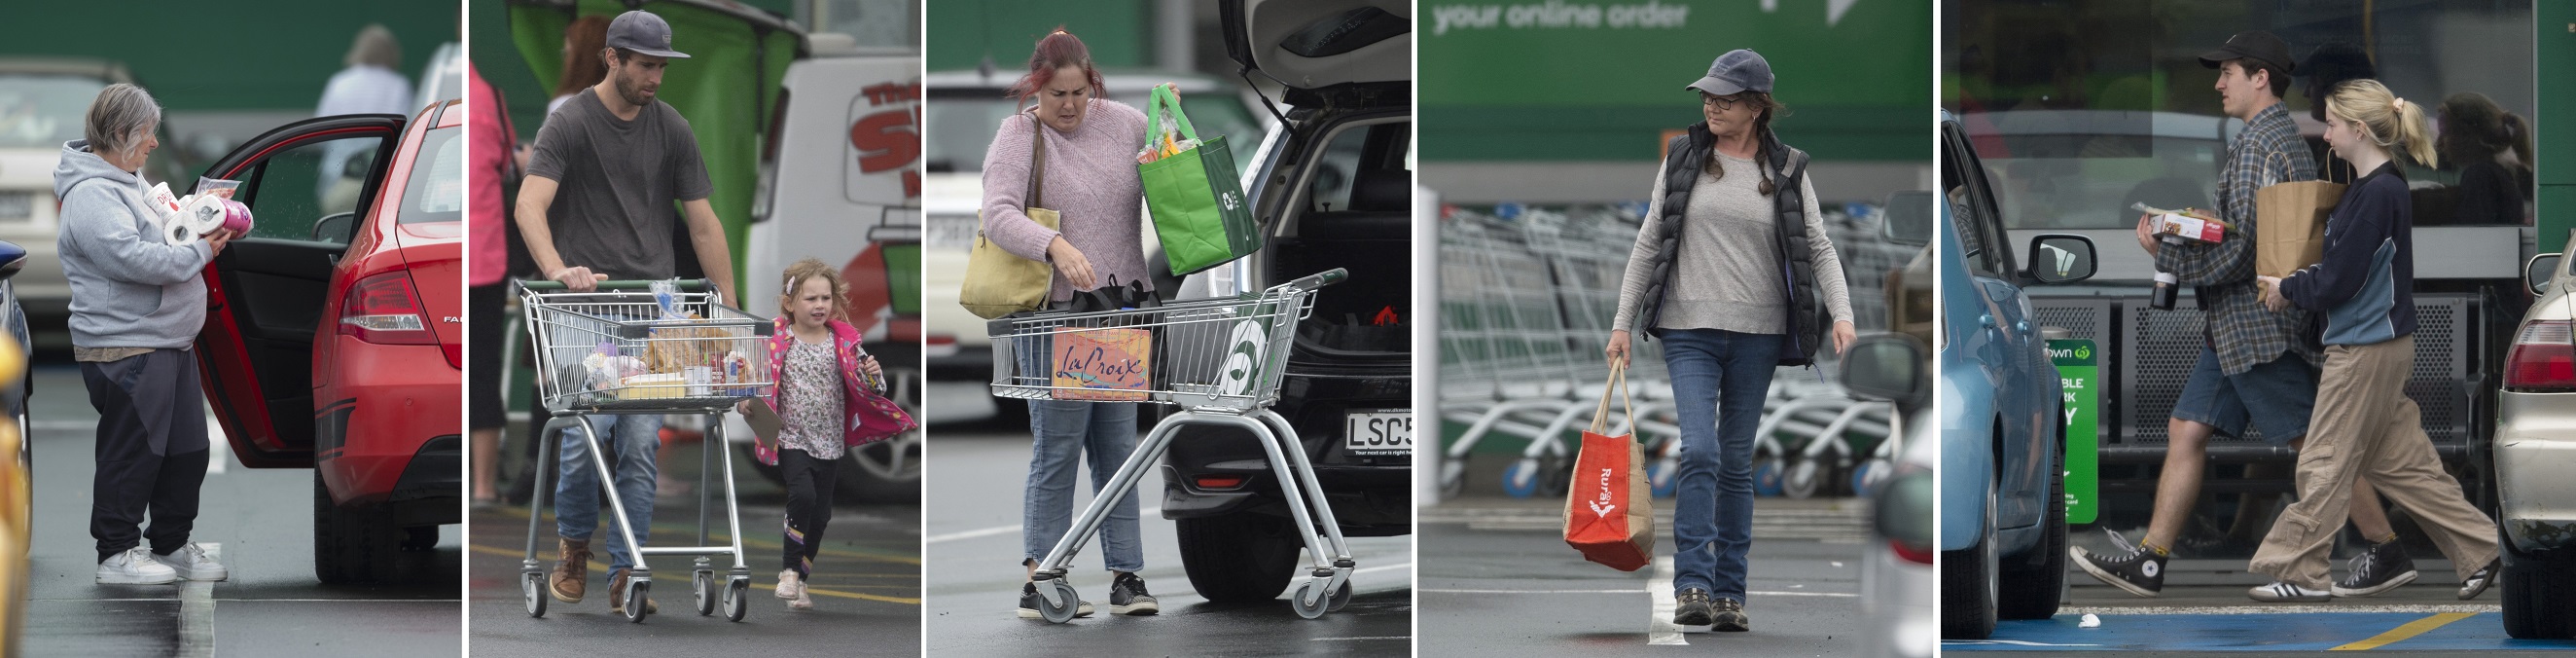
(2478, 582)
(2381, 568)
(2139, 571)
(1127, 596)
(1691, 608)
(1029, 603)
(1730, 617)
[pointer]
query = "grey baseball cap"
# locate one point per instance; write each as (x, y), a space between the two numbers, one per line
(1735, 72)
(644, 33)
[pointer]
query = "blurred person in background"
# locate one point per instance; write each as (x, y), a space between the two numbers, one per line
(368, 83)
(493, 163)
(2492, 148)
(583, 40)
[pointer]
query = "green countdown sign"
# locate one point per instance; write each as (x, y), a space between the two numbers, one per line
(2079, 369)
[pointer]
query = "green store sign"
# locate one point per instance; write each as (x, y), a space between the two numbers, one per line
(2079, 369)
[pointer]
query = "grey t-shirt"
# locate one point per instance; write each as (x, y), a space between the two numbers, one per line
(620, 183)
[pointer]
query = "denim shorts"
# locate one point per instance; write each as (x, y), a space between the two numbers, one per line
(2276, 395)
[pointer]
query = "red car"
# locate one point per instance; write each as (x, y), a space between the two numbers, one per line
(334, 332)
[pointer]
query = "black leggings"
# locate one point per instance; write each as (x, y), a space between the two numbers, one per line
(809, 506)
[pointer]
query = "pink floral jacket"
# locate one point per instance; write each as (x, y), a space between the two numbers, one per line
(872, 417)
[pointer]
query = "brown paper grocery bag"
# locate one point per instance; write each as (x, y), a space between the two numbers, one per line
(2290, 225)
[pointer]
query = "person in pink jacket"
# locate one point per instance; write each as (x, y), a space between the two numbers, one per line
(829, 398)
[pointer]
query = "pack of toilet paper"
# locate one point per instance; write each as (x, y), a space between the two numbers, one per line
(185, 220)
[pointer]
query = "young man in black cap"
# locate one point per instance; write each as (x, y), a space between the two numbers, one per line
(2255, 365)
(598, 204)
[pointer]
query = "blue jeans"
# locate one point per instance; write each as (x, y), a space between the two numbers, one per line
(1064, 430)
(1719, 381)
(633, 437)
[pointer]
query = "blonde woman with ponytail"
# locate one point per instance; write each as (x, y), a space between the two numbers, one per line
(2364, 426)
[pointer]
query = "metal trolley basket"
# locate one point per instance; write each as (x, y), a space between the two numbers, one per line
(585, 344)
(1221, 362)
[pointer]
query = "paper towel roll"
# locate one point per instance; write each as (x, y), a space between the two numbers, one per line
(202, 213)
(236, 216)
(179, 234)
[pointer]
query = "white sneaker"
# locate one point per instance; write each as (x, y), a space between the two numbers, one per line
(804, 600)
(190, 562)
(135, 566)
(788, 585)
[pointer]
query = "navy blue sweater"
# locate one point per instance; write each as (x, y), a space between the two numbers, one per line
(2365, 287)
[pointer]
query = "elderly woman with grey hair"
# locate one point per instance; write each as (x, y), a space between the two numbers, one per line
(137, 303)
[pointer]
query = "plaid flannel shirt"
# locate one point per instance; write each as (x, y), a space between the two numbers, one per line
(2244, 333)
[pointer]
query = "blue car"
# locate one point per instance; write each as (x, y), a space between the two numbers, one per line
(2003, 502)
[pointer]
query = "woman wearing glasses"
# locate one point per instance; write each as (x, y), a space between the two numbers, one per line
(1733, 271)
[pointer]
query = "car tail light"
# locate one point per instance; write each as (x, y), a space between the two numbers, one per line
(382, 309)
(2543, 358)
(1911, 552)
(1220, 482)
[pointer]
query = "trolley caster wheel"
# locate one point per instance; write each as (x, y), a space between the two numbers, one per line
(1766, 476)
(1453, 479)
(1062, 608)
(1309, 599)
(1521, 479)
(1555, 476)
(1663, 475)
(702, 586)
(736, 598)
(1865, 478)
(533, 586)
(638, 590)
(1341, 597)
(1802, 480)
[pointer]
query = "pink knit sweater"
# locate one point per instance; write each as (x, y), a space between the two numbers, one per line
(1090, 179)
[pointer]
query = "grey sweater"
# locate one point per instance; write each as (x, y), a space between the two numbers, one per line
(130, 288)
(1728, 270)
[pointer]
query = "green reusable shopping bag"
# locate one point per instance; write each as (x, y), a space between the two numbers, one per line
(1200, 213)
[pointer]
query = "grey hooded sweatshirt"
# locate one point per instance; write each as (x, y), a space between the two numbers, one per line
(130, 287)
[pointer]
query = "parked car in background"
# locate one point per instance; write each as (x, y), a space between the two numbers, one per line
(42, 105)
(1331, 188)
(1898, 586)
(2535, 449)
(335, 341)
(2003, 503)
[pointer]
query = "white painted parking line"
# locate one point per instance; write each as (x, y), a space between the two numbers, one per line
(218, 448)
(1150, 512)
(1749, 594)
(1660, 628)
(1348, 639)
(197, 610)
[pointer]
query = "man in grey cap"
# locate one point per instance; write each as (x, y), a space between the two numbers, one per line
(2255, 366)
(599, 203)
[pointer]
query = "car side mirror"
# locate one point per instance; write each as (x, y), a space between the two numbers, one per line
(2059, 258)
(13, 259)
(1890, 367)
(337, 228)
(2537, 272)
(1908, 218)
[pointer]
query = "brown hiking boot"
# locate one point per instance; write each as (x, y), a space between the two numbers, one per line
(617, 594)
(572, 570)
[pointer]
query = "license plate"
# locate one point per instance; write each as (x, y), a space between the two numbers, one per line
(1378, 432)
(17, 206)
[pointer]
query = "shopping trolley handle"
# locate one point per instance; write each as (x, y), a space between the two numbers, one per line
(691, 285)
(1318, 279)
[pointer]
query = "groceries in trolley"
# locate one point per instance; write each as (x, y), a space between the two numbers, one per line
(661, 344)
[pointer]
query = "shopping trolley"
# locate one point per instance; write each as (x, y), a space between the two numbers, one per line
(620, 351)
(1220, 362)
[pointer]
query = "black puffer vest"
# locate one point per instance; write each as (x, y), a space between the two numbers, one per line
(1683, 160)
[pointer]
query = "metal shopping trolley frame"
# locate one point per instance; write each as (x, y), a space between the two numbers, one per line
(622, 325)
(1220, 361)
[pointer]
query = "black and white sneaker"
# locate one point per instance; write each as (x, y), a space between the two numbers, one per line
(1691, 608)
(1729, 617)
(2381, 568)
(2282, 592)
(2478, 582)
(2139, 571)
(1029, 603)
(1127, 597)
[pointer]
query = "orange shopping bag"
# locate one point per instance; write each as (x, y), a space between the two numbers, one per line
(1609, 515)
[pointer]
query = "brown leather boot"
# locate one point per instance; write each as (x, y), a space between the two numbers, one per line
(572, 570)
(617, 594)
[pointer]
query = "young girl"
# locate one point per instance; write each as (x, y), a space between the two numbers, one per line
(2364, 426)
(829, 397)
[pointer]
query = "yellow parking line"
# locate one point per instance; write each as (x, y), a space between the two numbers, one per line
(2401, 633)
(766, 586)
